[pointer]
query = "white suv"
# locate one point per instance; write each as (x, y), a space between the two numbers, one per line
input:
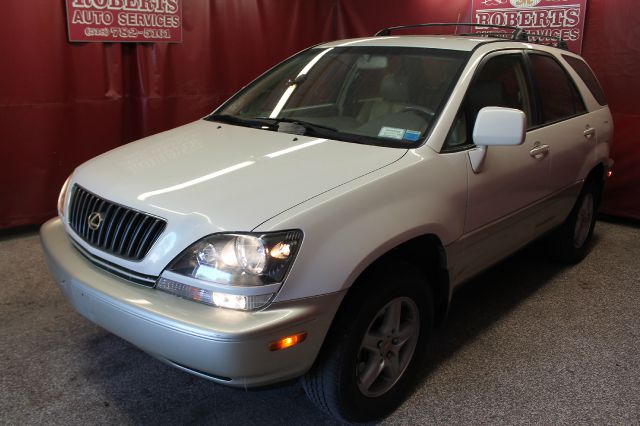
(318, 222)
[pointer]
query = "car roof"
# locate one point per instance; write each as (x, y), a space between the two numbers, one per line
(464, 43)
(451, 42)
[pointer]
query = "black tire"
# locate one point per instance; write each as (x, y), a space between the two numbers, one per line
(571, 242)
(334, 385)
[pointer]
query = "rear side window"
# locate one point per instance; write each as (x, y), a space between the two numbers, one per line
(589, 78)
(559, 98)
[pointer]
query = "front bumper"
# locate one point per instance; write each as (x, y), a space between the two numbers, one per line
(225, 346)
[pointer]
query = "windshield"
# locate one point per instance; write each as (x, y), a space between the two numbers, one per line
(376, 95)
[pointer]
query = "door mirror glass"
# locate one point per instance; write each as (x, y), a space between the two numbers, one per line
(499, 126)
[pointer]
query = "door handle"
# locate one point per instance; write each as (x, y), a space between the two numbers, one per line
(589, 132)
(539, 151)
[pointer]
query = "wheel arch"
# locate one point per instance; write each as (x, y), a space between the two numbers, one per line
(598, 176)
(426, 253)
(332, 378)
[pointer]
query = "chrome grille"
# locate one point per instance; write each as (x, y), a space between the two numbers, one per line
(115, 229)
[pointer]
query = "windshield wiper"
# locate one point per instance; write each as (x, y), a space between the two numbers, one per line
(298, 80)
(241, 121)
(292, 125)
(306, 124)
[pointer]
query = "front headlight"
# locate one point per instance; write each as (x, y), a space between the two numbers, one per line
(237, 271)
(62, 198)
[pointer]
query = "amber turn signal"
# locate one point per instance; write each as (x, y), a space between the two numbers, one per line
(287, 342)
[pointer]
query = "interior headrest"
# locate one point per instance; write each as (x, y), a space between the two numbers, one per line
(394, 89)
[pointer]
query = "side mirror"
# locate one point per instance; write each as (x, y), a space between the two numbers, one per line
(496, 126)
(499, 126)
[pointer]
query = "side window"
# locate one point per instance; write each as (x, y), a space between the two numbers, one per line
(501, 82)
(589, 78)
(559, 98)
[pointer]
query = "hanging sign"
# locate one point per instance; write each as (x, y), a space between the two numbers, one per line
(556, 18)
(125, 20)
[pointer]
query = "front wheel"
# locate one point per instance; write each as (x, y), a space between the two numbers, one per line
(374, 349)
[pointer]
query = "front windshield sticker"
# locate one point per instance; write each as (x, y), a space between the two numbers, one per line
(411, 135)
(391, 133)
(400, 134)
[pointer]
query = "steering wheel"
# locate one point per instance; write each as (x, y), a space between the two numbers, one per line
(425, 112)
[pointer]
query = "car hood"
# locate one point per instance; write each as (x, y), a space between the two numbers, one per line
(208, 177)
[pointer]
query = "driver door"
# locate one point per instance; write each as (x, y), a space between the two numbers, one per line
(503, 192)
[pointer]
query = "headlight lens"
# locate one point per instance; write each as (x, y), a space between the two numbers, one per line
(222, 262)
(62, 198)
(239, 259)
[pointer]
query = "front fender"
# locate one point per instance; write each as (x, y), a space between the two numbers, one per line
(348, 228)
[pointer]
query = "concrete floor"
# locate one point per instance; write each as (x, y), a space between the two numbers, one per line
(527, 342)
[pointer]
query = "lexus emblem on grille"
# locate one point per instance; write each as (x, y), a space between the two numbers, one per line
(94, 220)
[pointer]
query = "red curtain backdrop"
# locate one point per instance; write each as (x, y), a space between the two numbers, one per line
(362, 18)
(63, 103)
(612, 48)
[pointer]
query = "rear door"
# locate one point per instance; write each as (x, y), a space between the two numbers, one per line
(564, 126)
(563, 122)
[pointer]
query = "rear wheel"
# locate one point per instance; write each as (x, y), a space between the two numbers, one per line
(374, 349)
(571, 242)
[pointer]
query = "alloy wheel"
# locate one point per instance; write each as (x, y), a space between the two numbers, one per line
(388, 346)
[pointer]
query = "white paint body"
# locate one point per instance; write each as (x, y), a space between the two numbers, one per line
(353, 202)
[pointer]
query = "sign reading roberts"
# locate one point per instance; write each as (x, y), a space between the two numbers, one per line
(557, 18)
(125, 20)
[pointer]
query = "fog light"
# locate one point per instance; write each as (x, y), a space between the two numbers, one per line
(231, 301)
(208, 297)
(287, 342)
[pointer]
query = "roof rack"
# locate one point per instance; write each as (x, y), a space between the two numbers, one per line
(531, 38)
(559, 42)
(496, 34)
(518, 33)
